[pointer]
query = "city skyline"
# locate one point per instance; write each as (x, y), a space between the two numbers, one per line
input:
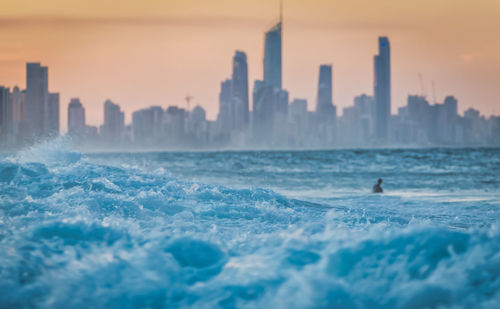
(30, 115)
(33, 114)
(71, 71)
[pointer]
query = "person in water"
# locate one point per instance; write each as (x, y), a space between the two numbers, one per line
(378, 187)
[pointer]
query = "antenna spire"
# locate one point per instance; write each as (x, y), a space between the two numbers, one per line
(188, 99)
(281, 11)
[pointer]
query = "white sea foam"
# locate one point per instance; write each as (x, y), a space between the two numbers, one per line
(91, 231)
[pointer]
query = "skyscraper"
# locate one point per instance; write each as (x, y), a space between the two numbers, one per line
(225, 117)
(5, 112)
(297, 114)
(198, 125)
(240, 91)
(268, 97)
(364, 106)
(325, 109)
(280, 131)
(448, 119)
(326, 112)
(76, 117)
(36, 99)
(382, 88)
(272, 56)
(18, 105)
(147, 125)
(175, 125)
(281, 102)
(263, 112)
(451, 107)
(52, 115)
(114, 122)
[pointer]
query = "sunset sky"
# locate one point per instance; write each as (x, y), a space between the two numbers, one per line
(152, 52)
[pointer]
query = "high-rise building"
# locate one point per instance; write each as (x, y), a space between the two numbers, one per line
(175, 125)
(451, 108)
(5, 112)
(198, 115)
(448, 120)
(417, 108)
(18, 104)
(51, 127)
(297, 116)
(281, 101)
(240, 91)
(272, 56)
(147, 125)
(382, 89)
(76, 117)
(326, 112)
(270, 114)
(225, 117)
(198, 125)
(280, 122)
(114, 122)
(325, 109)
(36, 99)
(365, 109)
(263, 112)
(298, 109)
(418, 114)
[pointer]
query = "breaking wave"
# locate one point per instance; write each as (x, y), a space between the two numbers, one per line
(80, 231)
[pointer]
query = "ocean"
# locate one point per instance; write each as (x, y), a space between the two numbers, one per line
(250, 229)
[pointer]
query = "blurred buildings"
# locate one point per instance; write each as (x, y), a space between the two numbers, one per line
(113, 128)
(77, 127)
(272, 56)
(29, 115)
(273, 122)
(382, 89)
(326, 112)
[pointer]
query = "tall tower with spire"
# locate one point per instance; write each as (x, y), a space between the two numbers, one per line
(273, 53)
(382, 88)
(270, 101)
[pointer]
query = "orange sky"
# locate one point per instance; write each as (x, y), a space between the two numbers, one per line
(152, 52)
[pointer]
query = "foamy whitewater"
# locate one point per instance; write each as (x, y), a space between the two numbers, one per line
(256, 229)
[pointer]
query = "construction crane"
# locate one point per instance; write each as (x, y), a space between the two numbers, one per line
(188, 99)
(422, 86)
(433, 92)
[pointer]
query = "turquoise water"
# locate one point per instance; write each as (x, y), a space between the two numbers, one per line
(295, 229)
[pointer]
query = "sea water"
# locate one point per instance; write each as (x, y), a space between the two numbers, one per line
(250, 229)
